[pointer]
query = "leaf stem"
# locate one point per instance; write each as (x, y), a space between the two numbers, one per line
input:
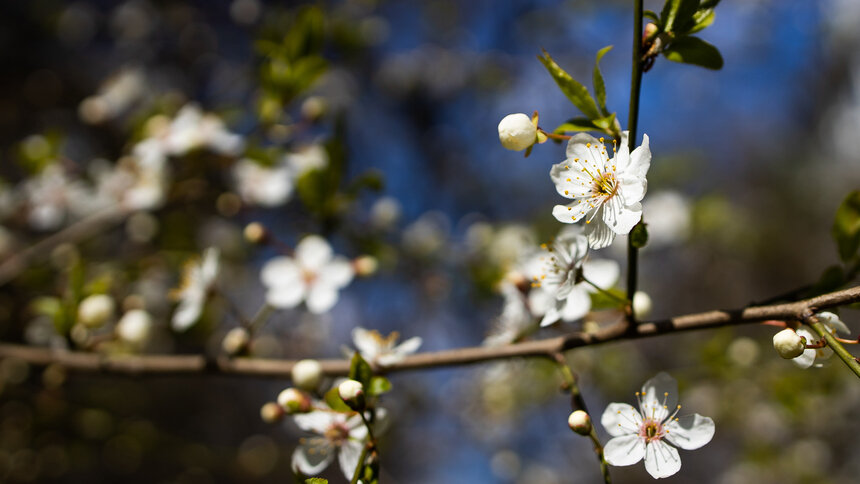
(837, 347)
(633, 120)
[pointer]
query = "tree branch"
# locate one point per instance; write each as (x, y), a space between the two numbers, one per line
(270, 368)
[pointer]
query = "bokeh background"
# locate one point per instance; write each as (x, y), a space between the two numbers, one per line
(750, 164)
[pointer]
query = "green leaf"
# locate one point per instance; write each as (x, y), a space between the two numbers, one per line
(597, 78)
(316, 480)
(846, 227)
(333, 400)
(601, 300)
(639, 235)
(575, 92)
(702, 19)
(605, 123)
(576, 124)
(359, 370)
(677, 15)
(649, 14)
(378, 385)
(693, 50)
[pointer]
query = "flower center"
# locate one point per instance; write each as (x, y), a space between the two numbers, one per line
(337, 434)
(605, 185)
(651, 430)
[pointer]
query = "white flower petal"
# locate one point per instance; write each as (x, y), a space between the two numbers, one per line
(552, 315)
(577, 146)
(364, 341)
(348, 457)
(599, 234)
(577, 304)
(621, 419)
(409, 346)
(540, 301)
(321, 298)
(313, 252)
(280, 271)
(833, 322)
(690, 431)
(661, 460)
(312, 459)
(624, 450)
(602, 272)
(660, 396)
(573, 212)
(640, 159)
(209, 266)
(337, 273)
(317, 421)
(188, 312)
(283, 297)
(632, 189)
(806, 359)
(620, 218)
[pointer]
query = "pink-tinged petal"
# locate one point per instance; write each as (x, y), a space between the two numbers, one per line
(283, 297)
(321, 298)
(640, 159)
(659, 396)
(690, 431)
(577, 304)
(364, 342)
(619, 218)
(661, 460)
(280, 271)
(602, 272)
(313, 459)
(624, 450)
(337, 273)
(621, 419)
(313, 252)
(599, 234)
(348, 457)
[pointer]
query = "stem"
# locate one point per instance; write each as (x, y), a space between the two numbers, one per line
(371, 444)
(604, 291)
(837, 347)
(551, 135)
(259, 319)
(578, 403)
(632, 122)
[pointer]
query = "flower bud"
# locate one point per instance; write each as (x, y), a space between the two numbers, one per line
(641, 304)
(789, 344)
(236, 341)
(96, 310)
(517, 132)
(313, 108)
(255, 232)
(307, 374)
(271, 412)
(649, 31)
(579, 422)
(352, 393)
(134, 327)
(365, 265)
(293, 401)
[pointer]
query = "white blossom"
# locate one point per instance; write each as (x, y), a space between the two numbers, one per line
(314, 275)
(192, 129)
(647, 432)
(831, 323)
(311, 157)
(517, 132)
(267, 186)
(197, 280)
(96, 310)
(383, 350)
(338, 433)
(48, 196)
(606, 191)
(135, 327)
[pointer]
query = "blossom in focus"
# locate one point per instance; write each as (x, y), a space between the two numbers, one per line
(517, 132)
(606, 191)
(314, 275)
(647, 432)
(263, 185)
(557, 292)
(383, 350)
(197, 280)
(834, 325)
(337, 433)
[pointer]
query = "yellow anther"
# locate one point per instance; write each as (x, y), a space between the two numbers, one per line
(588, 145)
(602, 139)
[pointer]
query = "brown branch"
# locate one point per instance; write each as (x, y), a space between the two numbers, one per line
(196, 364)
(86, 227)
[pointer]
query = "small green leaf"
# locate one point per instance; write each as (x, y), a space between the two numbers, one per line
(378, 385)
(333, 400)
(677, 15)
(846, 227)
(649, 14)
(576, 124)
(702, 19)
(597, 78)
(639, 235)
(693, 50)
(316, 480)
(575, 92)
(359, 370)
(601, 300)
(605, 123)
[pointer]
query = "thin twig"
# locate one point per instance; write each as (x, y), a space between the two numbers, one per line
(632, 125)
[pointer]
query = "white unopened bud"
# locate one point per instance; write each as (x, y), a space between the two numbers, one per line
(641, 304)
(236, 341)
(271, 412)
(789, 344)
(579, 422)
(96, 310)
(517, 132)
(255, 232)
(352, 393)
(365, 265)
(293, 400)
(307, 374)
(134, 327)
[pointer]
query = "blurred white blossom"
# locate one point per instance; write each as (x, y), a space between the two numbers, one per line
(197, 280)
(263, 185)
(338, 433)
(383, 350)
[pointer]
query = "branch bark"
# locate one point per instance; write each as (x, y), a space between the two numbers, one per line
(271, 368)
